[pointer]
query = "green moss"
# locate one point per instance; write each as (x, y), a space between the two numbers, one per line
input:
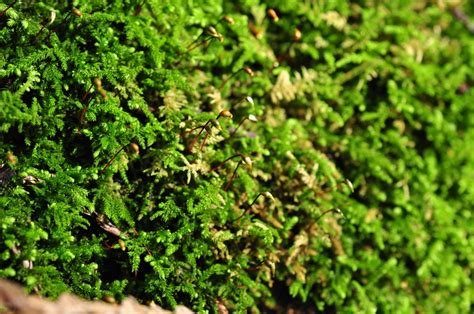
(113, 186)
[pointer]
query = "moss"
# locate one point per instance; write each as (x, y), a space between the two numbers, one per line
(350, 126)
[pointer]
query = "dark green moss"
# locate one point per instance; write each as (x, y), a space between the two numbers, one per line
(112, 186)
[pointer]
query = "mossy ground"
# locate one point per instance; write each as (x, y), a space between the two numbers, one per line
(350, 126)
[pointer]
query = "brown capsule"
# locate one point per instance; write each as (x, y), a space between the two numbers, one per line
(255, 31)
(297, 35)
(226, 114)
(213, 32)
(228, 19)
(98, 83)
(76, 12)
(248, 71)
(273, 15)
(11, 158)
(98, 86)
(135, 148)
(122, 245)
